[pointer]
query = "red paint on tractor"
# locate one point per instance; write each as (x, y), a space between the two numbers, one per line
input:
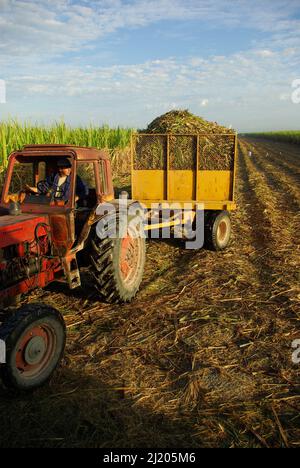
(18, 229)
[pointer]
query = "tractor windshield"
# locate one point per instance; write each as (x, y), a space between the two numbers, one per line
(42, 180)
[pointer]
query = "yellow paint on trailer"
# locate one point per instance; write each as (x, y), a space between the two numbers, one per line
(212, 185)
(181, 185)
(149, 185)
(149, 227)
(215, 185)
(207, 205)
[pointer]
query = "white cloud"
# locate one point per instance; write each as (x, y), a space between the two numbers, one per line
(53, 27)
(226, 82)
(285, 96)
(204, 102)
(265, 53)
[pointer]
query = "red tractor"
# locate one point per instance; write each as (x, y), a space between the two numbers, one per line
(42, 233)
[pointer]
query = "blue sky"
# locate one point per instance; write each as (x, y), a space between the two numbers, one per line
(124, 62)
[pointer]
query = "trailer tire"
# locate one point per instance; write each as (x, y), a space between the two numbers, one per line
(117, 265)
(35, 338)
(218, 230)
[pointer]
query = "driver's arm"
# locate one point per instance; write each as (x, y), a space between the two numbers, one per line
(31, 189)
(49, 181)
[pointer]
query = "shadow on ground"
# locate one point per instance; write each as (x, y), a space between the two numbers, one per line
(77, 410)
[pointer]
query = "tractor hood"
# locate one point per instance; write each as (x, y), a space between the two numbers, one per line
(19, 229)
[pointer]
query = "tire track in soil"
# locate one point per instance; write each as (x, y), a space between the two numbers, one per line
(264, 190)
(291, 152)
(289, 195)
(283, 222)
(250, 243)
(288, 169)
(261, 227)
(288, 199)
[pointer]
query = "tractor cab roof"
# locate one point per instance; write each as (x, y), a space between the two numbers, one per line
(80, 153)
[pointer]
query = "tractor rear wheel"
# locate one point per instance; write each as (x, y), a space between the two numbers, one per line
(35, 338)
(118, 265)
(218, 230)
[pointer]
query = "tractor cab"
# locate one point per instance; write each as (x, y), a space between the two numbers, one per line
(30, 188)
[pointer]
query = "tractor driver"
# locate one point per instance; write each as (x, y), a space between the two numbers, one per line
(60, 184)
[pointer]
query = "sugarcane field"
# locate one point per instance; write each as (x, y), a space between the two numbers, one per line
(149, 228)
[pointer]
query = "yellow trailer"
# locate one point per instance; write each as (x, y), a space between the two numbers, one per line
(182, 169)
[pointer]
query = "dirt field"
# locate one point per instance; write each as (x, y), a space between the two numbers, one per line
(203, 356)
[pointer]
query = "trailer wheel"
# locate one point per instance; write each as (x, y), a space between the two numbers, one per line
(118, 266)
(35, 338)
(218, 231)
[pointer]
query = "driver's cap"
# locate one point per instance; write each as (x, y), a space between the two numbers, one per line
(64, 163)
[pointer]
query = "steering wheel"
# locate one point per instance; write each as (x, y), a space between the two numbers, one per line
(43, 187)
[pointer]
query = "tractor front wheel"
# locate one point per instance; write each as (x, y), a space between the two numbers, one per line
(34, 341)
